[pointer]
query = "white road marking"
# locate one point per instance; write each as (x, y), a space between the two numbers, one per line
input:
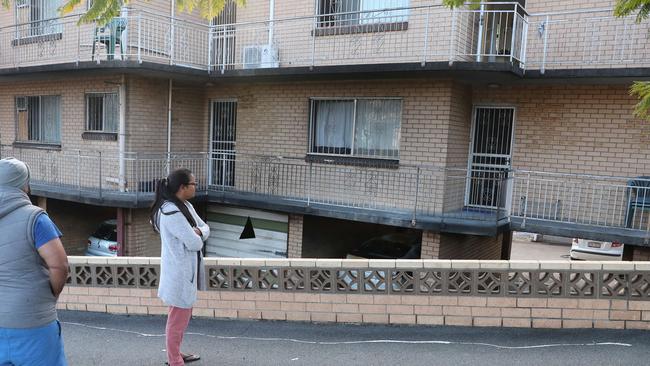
(374, 341)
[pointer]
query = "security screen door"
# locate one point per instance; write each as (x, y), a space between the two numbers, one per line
(223, 114)
(490, 156)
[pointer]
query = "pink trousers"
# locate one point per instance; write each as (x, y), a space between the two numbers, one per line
(177, 321)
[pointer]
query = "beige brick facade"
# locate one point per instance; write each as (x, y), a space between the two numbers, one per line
(294, 240)
(575, 129)
(140, 239)
(457, 246)
(430, 245)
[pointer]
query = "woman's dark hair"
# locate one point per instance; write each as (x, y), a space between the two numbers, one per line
(166, 190)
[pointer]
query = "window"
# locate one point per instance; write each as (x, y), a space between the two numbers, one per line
(38, 119)
(342, 13)
(356, 127)
(38, 17)
(102, 112)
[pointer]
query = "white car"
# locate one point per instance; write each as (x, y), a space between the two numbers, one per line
(593, 250)
(103, 242)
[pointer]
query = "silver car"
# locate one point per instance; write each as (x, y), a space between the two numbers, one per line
(593, 250)
(103, 242)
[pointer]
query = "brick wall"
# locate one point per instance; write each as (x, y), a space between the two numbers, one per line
(140, 239)
(458, 246)
(430, 245)
(146, 121)
(77, 222)
(294, 240)
(575, 129)
(73, 116)
(392, 308)
(273, 118)
(190, 124)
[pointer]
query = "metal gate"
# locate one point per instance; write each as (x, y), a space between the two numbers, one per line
(223, 131)
(490, 155)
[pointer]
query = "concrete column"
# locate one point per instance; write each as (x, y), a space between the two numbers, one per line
(430, 245)
(294, 240)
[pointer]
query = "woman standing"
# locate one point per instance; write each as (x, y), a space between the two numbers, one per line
(182, 233)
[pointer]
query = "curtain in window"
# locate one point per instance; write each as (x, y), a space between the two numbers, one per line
(33, 118)
(377, 129)
(372, 11)
(50, 119)
(111, 112)
(333, 126)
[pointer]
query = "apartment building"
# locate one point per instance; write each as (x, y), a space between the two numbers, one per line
(331, 122)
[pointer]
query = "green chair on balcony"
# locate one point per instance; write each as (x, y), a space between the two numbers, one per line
(637, 198)
(110, 35)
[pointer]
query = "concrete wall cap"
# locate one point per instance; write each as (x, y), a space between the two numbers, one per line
(465, 264)
(328, 263)
(596, 266)
(381, 263)
(436, 263)
(524, 264)
(494, 264)
(354, 263)
(618, 266)
(555, 265)
(408, 263)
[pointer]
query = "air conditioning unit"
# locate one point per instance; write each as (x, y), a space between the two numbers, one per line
(259, 57)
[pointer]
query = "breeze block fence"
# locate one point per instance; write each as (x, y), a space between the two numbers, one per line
(528, 294)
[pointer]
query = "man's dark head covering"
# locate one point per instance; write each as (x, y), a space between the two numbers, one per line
(13, 173)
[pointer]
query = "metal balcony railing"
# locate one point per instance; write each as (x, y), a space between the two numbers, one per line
(411, 190)
(588, 38)
(415, 190)
(494, 33)
(616, 202)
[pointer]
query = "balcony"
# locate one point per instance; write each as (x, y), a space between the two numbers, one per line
(497, 34)
(427, 197)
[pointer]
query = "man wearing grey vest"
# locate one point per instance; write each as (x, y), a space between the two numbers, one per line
(33, 271)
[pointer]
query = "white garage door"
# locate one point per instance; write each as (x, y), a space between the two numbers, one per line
(227, 224)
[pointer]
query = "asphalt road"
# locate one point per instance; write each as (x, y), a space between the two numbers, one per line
(104, 339)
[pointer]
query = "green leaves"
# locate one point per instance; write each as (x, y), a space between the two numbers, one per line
(641, 89)
(207, 8)
(626, 7)
(473, 4)
(102, 11)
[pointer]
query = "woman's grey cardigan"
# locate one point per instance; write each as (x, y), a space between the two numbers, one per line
(181, 268)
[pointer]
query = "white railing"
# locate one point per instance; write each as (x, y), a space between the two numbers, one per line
(582, 199)
(496, 32)
(417, 190)
(591, 38)
(401, 35)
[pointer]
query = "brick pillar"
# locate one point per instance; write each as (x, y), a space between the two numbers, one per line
(294, 240)
(636, 253)
(506, 245)
(139, 238)
(430, 245)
